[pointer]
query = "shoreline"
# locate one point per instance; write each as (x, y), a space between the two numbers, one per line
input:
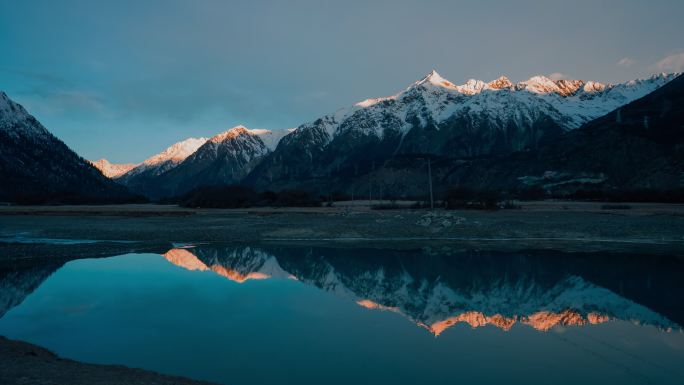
(581, 226)
(58, 234)
(26, 363)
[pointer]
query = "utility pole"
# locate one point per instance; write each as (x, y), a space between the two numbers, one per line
(432, 202)
(370, 184)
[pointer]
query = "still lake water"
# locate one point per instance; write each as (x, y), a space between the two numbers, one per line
(316, 315)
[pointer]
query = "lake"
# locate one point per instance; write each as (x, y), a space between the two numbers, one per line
(265, 314)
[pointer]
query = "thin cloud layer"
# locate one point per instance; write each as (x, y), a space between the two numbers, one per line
(671, 63)
(625, 62)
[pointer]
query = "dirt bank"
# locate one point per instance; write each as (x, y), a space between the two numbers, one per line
(24, 363)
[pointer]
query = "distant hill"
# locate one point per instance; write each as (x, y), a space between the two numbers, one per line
(36, 167)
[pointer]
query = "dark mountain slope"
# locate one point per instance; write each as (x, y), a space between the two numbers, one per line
(36, 167)
(636, 147)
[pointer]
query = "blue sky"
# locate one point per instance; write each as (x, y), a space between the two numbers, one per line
(125, 79)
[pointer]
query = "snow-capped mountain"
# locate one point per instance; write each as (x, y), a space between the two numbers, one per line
(112, 170)
(435, 117)
(16, 122)
(477, 291)
(141, 178)
(434, 99)
(167, 159)
(222, 160)
(271, 138)
(37, 167)
(637, 147)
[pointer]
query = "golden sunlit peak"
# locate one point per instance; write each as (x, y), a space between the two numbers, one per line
(184, 258)
(472, 318)
(542, 321)
(230, 134)
(545, 320)
(368, 304)
(236, 276)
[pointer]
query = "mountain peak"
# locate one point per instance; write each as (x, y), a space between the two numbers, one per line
(111, 170)
(472, 87)
(177, 152)
(592, 86)
(435, 79)
(231, 133)
(500, 83)
(541, 84)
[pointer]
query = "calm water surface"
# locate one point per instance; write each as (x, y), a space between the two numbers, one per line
(312, 315)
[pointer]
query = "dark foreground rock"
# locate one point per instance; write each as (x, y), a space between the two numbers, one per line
(24, 363)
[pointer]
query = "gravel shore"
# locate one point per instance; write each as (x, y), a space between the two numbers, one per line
(558, 225)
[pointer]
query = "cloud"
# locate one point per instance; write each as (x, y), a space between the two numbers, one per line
(672, 63)
(65, 102)
(557, 76)
(625, 62)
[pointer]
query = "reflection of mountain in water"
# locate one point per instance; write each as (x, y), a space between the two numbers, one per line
(238, 265)
(18, 282)
(437, 291)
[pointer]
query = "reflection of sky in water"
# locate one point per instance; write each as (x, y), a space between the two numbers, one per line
(142, 311)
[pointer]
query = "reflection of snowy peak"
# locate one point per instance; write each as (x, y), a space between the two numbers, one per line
(434, 302)
(17, 284)
(238, 265)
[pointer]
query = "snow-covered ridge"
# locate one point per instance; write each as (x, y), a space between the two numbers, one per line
(270, 138)
(112, 170)
(177, 152)
(15, 120)
(9, 110)
(500, 102)
(167, 159)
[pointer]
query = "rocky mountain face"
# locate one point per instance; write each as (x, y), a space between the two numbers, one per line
(223, 159)
(112, 170)
(379, 147)
(437, 291)
(435, 118)
(36, 167)
(637, 146)
(142, 178)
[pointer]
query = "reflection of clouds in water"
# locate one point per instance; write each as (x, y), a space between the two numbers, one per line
(78, 309)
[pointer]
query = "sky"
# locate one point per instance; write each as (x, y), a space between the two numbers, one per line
(125, 79)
